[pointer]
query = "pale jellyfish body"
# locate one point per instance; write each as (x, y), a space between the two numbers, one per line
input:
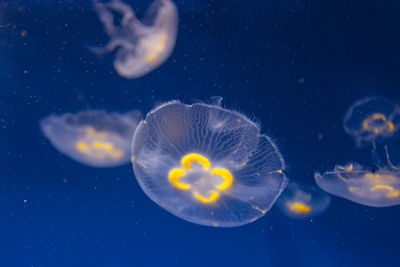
(206, 164)
(372, 119)
(95, 138)
(303, 202)
(358, 184)
(142, 46)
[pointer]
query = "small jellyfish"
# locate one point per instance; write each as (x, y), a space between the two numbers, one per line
(143, 46)
(95, 137)
(372, 119)
(358, 184)
(206, 164)
(303, 202)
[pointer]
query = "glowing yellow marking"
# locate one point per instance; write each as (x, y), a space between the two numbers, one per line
(259, 209)
(382, 187)
(378, 116)
(188, 159)
(392, 193)
(348, 167)
(158, 49)
(152, 57)
(227, 177)
(214, 196)
(101, 145)
(91, 150)
(367, 121)
(378, 130)
(365, 125)
(299, 208)
(94, 145)
(81, 147)
(391, 126)
(175, 175)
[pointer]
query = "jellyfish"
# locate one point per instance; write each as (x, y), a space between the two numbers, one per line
(303, 201)
(372, 119)
(206, 164)
(143, 46)
(95, 137)
(379, 188)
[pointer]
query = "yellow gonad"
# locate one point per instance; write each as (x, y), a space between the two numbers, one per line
(372, 119)
(158, 44)
(378, 124)
(224, 174)
(93, 137)
(359, 184)
(391, 192)
(189, 159)
(377, 184)
(206, 186)
(300, 201)
(214, 195)
(380, 184)
(175, 175)
(94, 145)
(299, 208)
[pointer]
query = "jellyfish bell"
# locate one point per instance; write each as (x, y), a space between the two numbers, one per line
(149, 54)
(216, 176)
(372, 119)
(303, 201)
(94, 137)
(379, 188)
(143, 46)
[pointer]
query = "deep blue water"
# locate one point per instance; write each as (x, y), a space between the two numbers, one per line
(294, 66)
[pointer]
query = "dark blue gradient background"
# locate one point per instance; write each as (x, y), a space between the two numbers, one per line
(295, 66)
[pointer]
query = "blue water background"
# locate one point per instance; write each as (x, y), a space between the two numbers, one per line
(294, 66)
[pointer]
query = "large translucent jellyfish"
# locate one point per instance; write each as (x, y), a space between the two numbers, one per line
(95, 137)
(206, 164)
(372, 119)
(143, 46)
(358, 184)
(302, 202)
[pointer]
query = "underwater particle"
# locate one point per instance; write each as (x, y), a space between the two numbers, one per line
(372, 119)
(142, 46)
(358, 184)
(207, 165)
(303, 201)
(94, 137)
